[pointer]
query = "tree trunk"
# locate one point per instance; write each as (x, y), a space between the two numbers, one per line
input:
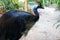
(26, 5)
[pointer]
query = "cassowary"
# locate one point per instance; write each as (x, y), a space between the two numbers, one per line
(14, 23)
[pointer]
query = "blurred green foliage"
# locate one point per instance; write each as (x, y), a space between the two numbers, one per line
(30, 0)
(11, 5)
(58, 3)
(14, 4)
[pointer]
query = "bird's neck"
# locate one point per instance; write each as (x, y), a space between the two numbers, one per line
(36, 13)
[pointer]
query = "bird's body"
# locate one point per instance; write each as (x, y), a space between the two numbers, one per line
(14, 23)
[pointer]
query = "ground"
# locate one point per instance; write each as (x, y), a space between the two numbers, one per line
(46, 27)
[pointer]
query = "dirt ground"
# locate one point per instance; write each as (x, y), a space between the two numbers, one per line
(45, 28)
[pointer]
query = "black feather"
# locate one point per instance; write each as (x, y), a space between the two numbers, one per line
(13, 23)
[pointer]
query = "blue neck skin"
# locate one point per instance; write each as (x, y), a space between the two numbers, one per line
(36, 12)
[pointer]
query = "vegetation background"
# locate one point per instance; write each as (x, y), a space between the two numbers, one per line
(15, 4)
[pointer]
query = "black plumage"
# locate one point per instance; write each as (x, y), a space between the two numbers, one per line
(14, 23)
